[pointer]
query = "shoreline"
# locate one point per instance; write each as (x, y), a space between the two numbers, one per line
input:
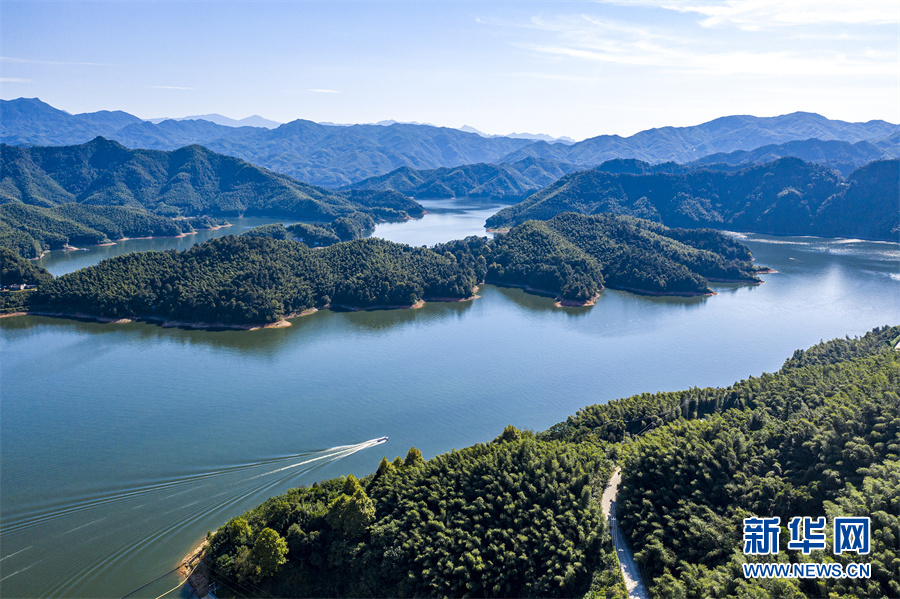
(72, 248)
(564, 303)
(560, 302)
(193, 568)
(284, 322)
(666, 293)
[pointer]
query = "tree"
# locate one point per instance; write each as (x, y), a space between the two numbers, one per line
(413, 457)
(510, 433)
(238, 530)
(352, 511)
(268, 554)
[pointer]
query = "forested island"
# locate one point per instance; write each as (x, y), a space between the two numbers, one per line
(101, 191)
(264, 276)
(519, 516)
(785, 197)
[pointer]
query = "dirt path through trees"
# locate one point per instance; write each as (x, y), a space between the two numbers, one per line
(633, 581)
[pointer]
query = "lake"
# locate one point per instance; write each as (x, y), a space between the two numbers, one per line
(123, 444)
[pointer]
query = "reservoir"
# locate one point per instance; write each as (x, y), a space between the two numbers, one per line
(121, 445)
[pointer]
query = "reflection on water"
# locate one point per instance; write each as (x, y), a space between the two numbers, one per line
(446, 220)
(122, 445)
(60, 262)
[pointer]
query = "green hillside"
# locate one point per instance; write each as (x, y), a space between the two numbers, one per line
(100, 191)
(573, 256)
(516, 517)
(252, 280)
(819, 437)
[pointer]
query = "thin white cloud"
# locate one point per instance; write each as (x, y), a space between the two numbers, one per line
(556, 77)
(325, 91)
(176, 87)
(768, 14)
(598, 40)
(725, 63)
(14, 80)
(13, 60)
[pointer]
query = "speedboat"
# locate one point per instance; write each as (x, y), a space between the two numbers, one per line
(381, 439)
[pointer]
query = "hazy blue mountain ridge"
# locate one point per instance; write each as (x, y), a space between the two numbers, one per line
(842, 156)
(28, 121)
(726, 134)
(506, 181)
(337, 156)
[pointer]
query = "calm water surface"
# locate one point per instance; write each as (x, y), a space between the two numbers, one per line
(122, 445)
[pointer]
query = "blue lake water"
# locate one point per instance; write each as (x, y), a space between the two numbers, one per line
(121, 445)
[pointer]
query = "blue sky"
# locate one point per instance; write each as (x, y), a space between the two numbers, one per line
(576, 69)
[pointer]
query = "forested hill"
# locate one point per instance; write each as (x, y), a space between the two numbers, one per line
(842, 156)
(189, 181)
(519, 516)
(785, 197)
(51, 197)
(574, 256)
(819, 437)
(253, 280)
(15, 270)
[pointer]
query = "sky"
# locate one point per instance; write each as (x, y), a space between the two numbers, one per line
(576, 69)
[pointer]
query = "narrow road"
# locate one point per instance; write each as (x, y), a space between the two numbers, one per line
(633, 581)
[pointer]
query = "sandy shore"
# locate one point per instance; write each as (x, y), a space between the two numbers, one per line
(564, 303)
(195, 571)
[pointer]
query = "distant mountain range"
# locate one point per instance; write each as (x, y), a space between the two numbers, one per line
(250, 121)
(842, 156)
(534, 136)
(30, 122)
(337, 156)
(785, 197)
(726, 134)
(511, 182)
(514, 181)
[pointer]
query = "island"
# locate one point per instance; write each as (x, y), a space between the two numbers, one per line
(265, 277)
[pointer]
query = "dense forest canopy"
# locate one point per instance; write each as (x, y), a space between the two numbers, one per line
(254, 280)
(785, 197)
(15, 270)
(821, 438)
(264, 276)
(518, 516)
(31, 230)
(345, 228)
(573, 256)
